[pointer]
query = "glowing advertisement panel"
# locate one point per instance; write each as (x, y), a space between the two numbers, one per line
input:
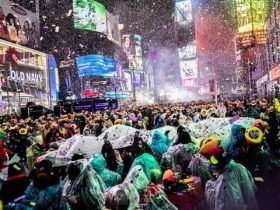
(252, 15)
(18, 24)
(54, 81)
(183, 9)
(89, 15)
(189, 73)
(188, 51)
(100, 65)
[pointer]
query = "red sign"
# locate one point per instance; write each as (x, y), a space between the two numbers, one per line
(275, 72)
(12, 56)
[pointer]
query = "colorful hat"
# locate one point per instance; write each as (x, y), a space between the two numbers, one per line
(254, 135)
(23, 131)
(211, 147)
(169, 176)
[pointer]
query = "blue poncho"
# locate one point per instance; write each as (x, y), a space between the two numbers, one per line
(160, 143)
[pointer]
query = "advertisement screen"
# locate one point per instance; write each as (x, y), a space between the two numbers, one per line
(89, 15)
(54, 82)
(188, 51)
(100, 65)
(113, 33)
(18, 24)
(137, 80)
(252, 15)
(189, 69)
(183, 9)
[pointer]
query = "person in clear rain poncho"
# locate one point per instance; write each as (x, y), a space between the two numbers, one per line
(123, 196)
(83, 188)
(110, 178)
(234, 186)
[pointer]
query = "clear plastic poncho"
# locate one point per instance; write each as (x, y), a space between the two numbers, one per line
(122, 196)
(199, 166)
(183, 153)
(138, 178)
(86, 191)
(234, 189)
(110, 178)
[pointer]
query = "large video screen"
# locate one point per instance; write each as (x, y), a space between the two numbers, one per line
(89, 15)
(18, 24)
(91, 65)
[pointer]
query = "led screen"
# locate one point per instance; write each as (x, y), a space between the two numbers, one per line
(188, 51)
(252, 15)
(89, 15)
(18, 24)
(99, 65)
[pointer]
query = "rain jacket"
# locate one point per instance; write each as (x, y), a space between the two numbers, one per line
(87, 189)
(43, 199)
(234, 189)
(160, 143)
(149, 164)
(110, 178)
(199, 166)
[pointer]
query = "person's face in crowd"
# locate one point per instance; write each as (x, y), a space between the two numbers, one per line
(216, 173)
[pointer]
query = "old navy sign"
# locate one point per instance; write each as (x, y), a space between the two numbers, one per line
(26, 77)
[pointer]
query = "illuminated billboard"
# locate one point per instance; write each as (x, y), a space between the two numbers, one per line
(54, 81)
(189, 73)
(18, 24)
(113, 31)
(89, 15)
(183, 9)
(252, 15)
(188, 51)
(28, 76)
(91, 65)
(133, 51)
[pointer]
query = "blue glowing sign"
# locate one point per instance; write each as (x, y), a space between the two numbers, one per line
(100, 65)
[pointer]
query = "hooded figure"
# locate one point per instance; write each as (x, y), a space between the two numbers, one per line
(138, 178)
(159, 121)
(109, 154)
(110, 178)
(83, 188)
(199, 166)
(44, 191)
(160, 143)
(234, 185)
(150, 166)
(183, 154)
(123, 196)
(183, 136)
(234, 189)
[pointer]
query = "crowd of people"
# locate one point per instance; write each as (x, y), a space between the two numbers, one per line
(166, 173)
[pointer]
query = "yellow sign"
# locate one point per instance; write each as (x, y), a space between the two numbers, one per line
(252, 15)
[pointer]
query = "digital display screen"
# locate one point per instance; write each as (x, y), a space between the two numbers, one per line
(100, 65)
(18, 24)
(89, 15)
